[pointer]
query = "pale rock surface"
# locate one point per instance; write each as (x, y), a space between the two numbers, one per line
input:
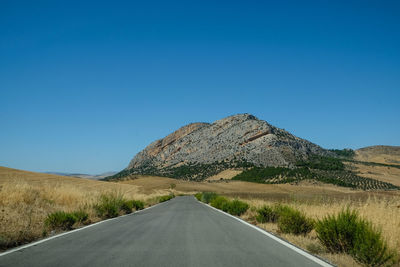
(238, 137)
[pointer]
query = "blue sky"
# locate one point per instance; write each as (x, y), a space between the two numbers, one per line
(85, 86)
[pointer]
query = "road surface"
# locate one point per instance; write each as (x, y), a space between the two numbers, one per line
(180, 232)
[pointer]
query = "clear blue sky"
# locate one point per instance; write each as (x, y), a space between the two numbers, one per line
(85, 86)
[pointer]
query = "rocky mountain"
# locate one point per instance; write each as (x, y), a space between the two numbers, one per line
(201, 149)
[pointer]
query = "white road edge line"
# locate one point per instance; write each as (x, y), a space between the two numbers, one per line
(72, 231)
(298, 250)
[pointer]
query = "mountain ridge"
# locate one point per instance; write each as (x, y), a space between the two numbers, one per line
(234, 141)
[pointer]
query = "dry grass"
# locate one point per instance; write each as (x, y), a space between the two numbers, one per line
(380, 173)
(226, 174)
(282, 192)
(384, 213)
(380, 154)
(26, 198)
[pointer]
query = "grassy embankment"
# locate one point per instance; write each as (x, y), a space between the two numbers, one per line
(35, 205)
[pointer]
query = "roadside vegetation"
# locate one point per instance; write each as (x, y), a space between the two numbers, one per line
(234, 207)
(165, 198)
(61, 220)
(347, 233)
(35, 205)
(340, 234)
(114, 204)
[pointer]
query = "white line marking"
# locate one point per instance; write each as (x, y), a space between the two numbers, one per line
(73, 231)
(298, 250)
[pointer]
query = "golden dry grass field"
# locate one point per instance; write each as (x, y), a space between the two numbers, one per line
(304, 191)
(379, 154)
(26, 198)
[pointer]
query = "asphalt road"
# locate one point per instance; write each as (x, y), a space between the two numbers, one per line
(180, 232)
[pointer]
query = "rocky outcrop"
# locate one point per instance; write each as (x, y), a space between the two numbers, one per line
(240, 137)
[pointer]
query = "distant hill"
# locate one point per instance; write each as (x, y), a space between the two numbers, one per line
(82, 175)
(200, 150)
(379, 154)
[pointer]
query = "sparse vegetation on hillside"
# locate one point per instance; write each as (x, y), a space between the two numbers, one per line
(324, 169)
(190, 171)
(369, 163)
(330, 170)
(322, 163)
(344, 153)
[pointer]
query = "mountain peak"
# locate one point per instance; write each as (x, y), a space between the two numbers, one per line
(237, 138)
(237, 118)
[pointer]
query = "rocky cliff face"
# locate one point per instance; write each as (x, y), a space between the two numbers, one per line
(240, 137)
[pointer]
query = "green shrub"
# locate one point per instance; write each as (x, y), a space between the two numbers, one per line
(370, 248)
(221, 203)
(267, 214)
(81, 216)
(110, 205)
(114, 204)
(237, 207)
(349, 233)
(294, 222)
(208, 197)
(137, 204)
(279, 209)
(165, 198)
(337, 233)
(60, 220)
(198, 196)
(127, 206)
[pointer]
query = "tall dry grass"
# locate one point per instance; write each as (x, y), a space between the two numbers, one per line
(26, 201)
(384, 213)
